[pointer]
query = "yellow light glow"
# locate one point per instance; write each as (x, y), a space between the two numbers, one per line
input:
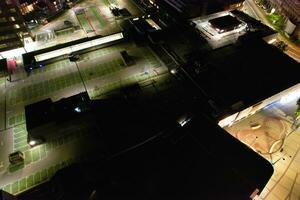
(272, 41)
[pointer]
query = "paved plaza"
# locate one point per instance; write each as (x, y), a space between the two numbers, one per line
(270, 133)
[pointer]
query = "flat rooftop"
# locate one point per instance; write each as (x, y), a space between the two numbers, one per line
(192, 8)
(225, 23)
(248, 72)
(198, 160)
(46, 111)
(220, 29)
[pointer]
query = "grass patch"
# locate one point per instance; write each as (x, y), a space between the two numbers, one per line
(277, 21)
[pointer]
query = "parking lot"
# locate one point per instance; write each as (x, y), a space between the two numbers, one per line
(99, 72)
(86, 19)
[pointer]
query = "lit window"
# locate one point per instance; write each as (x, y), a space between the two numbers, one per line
(12, 10)
(30, 8)
(12, 19)
(16, 26)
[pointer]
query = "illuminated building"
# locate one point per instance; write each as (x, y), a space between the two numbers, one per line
(12, 26)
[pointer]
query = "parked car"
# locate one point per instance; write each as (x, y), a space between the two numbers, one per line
(30, 67)
(16, 157)
(68, 23)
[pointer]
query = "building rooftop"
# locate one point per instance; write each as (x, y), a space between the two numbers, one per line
(225, 23)
(245, 73)
(220, 29)
(197, 160)
(194, 8)
(39, 113)
(48, 115)
(68, 108)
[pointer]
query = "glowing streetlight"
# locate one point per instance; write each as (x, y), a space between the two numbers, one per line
(173, 71)
(77, 109)
(32, 142)
(272, 11)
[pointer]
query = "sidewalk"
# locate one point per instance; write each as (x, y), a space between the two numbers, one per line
(285, 182)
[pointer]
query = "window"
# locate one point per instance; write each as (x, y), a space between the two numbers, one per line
(12, 19)
(16, 26)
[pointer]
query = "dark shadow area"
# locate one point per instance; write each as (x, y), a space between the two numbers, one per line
(144, 148)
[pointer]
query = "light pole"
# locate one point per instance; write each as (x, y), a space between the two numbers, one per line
(80, 76)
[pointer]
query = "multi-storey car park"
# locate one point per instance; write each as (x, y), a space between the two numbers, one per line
(159, 124)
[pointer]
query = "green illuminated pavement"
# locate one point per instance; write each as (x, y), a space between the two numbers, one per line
(101, 19)
(84, 22)
(102, 69)
(34, 179)
(100, 72)
(16, 119)
(43, 88)
(36, 155)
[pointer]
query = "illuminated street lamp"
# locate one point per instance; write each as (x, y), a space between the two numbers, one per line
(77, 109)
(173, 71)
(272, 11)
(32, 143)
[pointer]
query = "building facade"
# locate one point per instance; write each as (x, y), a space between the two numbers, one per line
(12, 26)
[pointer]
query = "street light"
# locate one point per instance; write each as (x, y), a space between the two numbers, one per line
(173, 71)
(77, 109)
(272, 11)
(32, 143)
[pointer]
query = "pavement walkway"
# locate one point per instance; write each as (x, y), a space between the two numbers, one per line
(285, 181)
